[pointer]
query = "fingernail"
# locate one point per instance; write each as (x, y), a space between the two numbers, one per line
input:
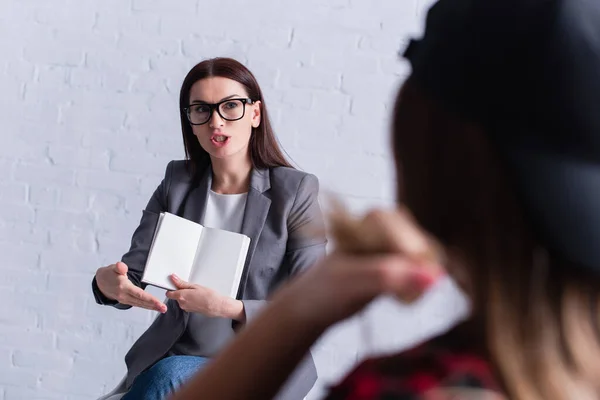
(175, 277)
(422, 280)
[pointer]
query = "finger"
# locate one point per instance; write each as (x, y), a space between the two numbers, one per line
(399, 232)
(346, 230)
(396, 230)
(121, 268)
(180, 283)
(173, 294)
(408, 285)
(417, 241)
(139, 304)
(396, 275)
(141, 296)
(132, 301)
(382, 231)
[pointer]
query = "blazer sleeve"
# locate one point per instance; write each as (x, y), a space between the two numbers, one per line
(306, 242)
(141, 240)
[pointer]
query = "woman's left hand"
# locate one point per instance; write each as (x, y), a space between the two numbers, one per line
(200, 299)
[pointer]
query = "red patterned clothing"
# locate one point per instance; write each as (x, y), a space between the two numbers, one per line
(445, 362)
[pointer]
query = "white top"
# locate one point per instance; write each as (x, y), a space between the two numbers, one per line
(225, 211)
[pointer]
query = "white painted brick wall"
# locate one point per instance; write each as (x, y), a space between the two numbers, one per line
(88, 106)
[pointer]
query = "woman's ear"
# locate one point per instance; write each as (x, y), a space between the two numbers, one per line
(256, 114)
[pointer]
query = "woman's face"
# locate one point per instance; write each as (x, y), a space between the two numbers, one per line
(227, 135)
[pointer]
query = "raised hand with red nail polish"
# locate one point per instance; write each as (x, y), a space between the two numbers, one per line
(384, 253)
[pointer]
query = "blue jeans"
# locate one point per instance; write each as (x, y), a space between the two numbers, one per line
(164, 377)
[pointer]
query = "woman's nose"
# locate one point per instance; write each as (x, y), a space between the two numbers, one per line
(215, 120)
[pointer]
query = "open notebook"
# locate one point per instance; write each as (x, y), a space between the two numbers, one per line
(209, 257)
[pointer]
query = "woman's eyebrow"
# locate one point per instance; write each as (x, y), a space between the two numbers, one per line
(223, 99)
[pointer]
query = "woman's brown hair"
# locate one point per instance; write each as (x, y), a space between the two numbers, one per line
(265, 151)
(537, 314)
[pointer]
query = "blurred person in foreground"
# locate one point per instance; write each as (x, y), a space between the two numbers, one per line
(496, 138)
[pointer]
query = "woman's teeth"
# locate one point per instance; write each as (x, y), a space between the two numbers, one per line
(220, 138)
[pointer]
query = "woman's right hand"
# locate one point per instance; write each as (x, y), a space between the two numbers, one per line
(114, 284)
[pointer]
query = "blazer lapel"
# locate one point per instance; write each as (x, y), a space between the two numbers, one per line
(255, 214)
(195, 206)
(194, 210)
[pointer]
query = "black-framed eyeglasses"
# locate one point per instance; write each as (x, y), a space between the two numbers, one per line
(229, 110)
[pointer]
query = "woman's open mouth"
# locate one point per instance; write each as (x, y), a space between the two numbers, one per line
(219, 140)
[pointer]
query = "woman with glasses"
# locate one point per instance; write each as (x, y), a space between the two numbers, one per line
(236, 178)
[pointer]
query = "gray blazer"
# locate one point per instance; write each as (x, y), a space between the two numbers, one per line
(280, 203)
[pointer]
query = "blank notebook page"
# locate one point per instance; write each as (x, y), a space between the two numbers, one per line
(173, 251)
(220, 261)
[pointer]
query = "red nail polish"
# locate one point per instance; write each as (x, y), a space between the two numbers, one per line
(422, 280)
